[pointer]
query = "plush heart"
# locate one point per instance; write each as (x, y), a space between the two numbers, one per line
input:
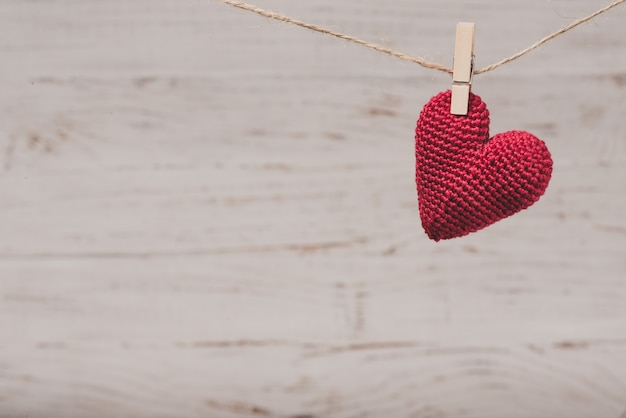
(466, 181)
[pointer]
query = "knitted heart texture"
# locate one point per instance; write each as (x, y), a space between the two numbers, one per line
(467, 181)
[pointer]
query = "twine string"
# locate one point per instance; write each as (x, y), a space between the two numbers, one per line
(549, 37)
(418, 60)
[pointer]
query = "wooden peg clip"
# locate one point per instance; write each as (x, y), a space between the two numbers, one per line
(463, 67)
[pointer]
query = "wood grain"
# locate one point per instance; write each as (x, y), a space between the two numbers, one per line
(207, 214)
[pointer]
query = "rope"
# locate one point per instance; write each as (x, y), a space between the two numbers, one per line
(418, 60)
(549, 38)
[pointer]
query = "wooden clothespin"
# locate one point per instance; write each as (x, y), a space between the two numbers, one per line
(463, 67)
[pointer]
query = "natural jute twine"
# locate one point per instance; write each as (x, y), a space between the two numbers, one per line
(405, 57)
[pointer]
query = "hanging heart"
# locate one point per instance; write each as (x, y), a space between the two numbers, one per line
(467, 181)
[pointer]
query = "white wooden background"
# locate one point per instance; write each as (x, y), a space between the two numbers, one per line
(205, 213)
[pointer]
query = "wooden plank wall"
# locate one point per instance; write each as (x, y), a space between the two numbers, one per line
(205, 213)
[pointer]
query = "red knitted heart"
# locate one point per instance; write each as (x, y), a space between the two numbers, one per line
(466, 181)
